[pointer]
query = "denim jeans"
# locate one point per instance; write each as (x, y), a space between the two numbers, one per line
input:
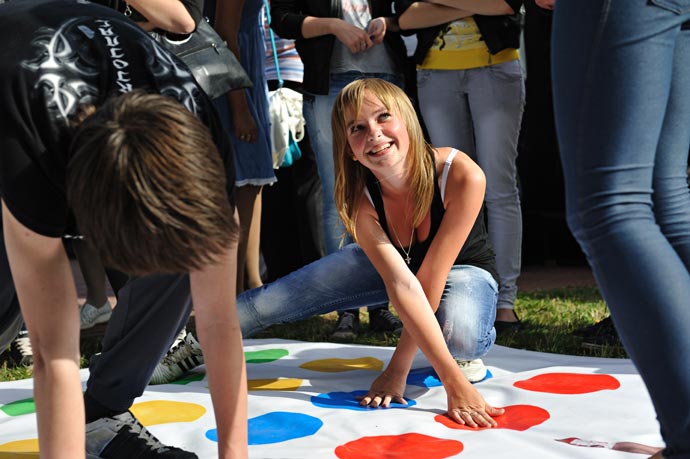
(621, 72)
(479, 112)
(346, 279)
(317, 114)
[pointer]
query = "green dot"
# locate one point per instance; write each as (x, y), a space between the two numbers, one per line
(265, 356)
(189, 377)
(26, 406)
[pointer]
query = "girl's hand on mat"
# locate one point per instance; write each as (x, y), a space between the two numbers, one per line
(385, 389)
(468, 407)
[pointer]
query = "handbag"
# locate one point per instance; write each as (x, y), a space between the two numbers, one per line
(208, 57)
(285, 114)
(203, 51)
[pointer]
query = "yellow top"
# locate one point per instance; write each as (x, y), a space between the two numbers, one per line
(460, 46)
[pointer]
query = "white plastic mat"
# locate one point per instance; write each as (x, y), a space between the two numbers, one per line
(301, 405)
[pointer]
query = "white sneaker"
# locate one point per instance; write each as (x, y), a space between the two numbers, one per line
(184, 355)
(474, 370)
(90, 315)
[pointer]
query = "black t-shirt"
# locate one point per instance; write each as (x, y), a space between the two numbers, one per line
(55, 56)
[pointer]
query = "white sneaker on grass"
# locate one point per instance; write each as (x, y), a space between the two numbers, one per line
(90, 315)
(184, 355)
(474, 370)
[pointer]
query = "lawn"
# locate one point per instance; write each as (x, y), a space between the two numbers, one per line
(549, 317)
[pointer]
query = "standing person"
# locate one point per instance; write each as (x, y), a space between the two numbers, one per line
(340, 42)
(621, 78)
(291, 233)
(245, 117)
(416, 214)
(471, 95)
(106, 134)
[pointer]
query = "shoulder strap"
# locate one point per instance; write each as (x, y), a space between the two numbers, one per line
(446, 168)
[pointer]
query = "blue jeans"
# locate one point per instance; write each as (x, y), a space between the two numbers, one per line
(621, 72)
(479, 111)
(317, 114)
(346, 279)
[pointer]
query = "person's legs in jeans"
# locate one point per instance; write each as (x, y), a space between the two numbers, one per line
(343, 280)
(621, 73)
(478, 111)
(467, 311)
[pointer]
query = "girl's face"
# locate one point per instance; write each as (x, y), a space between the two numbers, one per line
(377, 136)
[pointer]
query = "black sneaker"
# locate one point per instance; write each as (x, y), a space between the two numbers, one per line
(21, 353)
(598, 335)
(382, 320)
(347, 326)
(123, 436)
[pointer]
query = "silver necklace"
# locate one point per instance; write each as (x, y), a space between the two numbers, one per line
(409, 249)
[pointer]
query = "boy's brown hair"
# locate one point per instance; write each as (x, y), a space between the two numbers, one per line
(148, 187)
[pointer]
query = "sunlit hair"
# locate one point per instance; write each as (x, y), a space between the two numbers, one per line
(350, 176)
(148, 187)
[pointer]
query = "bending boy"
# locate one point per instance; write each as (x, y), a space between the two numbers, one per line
(104, 134)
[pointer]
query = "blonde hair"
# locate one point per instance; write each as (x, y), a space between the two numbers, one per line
(350, 176)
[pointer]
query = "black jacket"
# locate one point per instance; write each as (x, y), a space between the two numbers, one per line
(498, 32)
(287, 17)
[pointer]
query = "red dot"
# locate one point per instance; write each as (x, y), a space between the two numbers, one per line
(399, 447)
(569, 383)
(516, 417)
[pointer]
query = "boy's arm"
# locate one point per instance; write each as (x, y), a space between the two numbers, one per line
(213, 295)
(47, 295)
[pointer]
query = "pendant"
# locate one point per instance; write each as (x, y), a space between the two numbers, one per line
(408, 259)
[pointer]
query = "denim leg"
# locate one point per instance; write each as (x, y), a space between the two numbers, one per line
(496, 96)
(342, 280)
(467, 311)
(317, 114)
(618, 67)
(479, 111)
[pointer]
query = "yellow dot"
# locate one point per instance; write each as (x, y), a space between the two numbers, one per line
(274, 384)
(166, 412)
(20, 449)
(340, 365)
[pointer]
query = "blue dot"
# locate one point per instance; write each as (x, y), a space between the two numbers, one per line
(347, 401)
(277, 427)
(427, 377)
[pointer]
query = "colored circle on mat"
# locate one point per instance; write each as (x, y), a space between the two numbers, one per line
(19, 407)
(265, 356)
(166, 412)
(427, 377)
(348, 401)
(277, 427)
(341, 365)
(21, 448)
(409, 445)
(516, 417)
(568, 383)
(290, 384)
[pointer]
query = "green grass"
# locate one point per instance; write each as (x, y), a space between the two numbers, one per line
(549, 317)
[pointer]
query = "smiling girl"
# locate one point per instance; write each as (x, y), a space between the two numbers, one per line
(416, 212)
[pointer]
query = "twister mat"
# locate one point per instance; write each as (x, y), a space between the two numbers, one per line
(301, 405)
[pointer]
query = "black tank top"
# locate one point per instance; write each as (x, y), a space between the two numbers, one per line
(477, 250)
